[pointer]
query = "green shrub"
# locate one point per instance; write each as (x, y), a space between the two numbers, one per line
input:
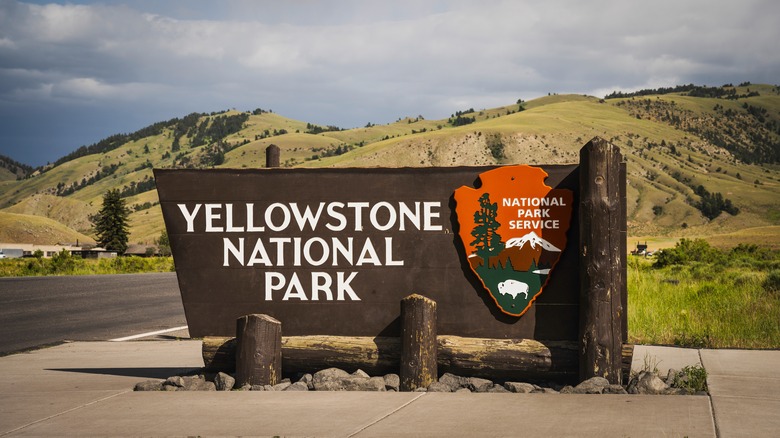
(687, 251)
(63, 263)
(696, 340)
(772, 282)
(692, 378)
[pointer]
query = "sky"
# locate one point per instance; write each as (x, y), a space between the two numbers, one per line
(73, 73)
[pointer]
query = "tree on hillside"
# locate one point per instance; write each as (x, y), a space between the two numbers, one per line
(164, 244)
(111, 222)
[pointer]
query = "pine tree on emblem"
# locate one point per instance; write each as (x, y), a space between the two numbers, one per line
(487, 241)
(111, 223)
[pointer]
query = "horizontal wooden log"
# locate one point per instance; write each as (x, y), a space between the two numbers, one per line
(219, 353)
(508, 358)
(378, 355)
(478, 357)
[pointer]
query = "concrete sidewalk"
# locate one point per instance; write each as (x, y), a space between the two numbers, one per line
(85, 388)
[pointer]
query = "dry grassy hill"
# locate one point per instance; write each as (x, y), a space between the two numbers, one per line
(22, 228)
(682, 148)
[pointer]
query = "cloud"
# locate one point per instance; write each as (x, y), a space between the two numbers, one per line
(349, 62)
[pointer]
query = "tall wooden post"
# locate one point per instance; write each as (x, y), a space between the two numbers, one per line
(272, 156)
(258, 350)
(418, 342)
(602, 265)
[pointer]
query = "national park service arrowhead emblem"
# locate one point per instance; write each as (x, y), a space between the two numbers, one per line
(513, 230)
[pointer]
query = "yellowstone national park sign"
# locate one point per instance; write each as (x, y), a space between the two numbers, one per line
(333, 251)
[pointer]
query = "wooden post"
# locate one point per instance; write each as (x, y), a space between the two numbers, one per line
(258, 350)
(272, 156)
(601, 262)
(418, 342)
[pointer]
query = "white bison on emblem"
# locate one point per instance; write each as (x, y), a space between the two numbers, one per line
(513, 287)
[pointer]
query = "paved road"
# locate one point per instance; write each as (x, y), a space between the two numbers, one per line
(36, 311)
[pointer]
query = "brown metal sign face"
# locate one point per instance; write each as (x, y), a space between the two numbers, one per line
(333, 252)
(514, 243)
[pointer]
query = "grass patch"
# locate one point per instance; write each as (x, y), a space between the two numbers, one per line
(692, 379)
(65, 264)
(704, 297)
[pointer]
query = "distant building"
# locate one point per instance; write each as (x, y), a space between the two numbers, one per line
(94, 253)
(641, 250)
(142, 250)
(11, 253)
(16, 250)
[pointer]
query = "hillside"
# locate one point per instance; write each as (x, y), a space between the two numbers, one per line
(702, 161)
(11, 170)
(22, 228)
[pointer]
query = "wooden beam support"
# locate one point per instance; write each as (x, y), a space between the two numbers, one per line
(602, 267)
(258, 355)
(272, 156)
(418, 342)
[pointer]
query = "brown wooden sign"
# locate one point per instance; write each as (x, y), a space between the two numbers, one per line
(333, 251)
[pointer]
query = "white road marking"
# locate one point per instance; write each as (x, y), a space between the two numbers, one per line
(144, 335)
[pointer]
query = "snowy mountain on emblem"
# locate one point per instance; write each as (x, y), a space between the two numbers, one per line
(533, 239)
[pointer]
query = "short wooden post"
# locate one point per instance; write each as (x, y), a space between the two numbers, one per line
(601, 262)
(258, 350)
(272, 156)
(418, 342)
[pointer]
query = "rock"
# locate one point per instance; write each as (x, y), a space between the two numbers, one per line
(329, 374)
(568, 389)
(246, 387)
(376, 384)
(519, 387)
(176, 381)
(440, 387)
(224, 382)
(549, 391)
(171, 388)
(308, 379)
(421, 389)
(454, 381)
(594, 385)
(334, 379)
(363, 384)
(256, 388)
(650, 383)
(268, 388)
(614, 389)
(463, 390)
(282, 386)
(148, 385)
(329, 379)
(475, 384)
(497, 388)
(671, 375)
(392, 382)
(197, 383)
(297, 386)
(361, 373)
(329, 385)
